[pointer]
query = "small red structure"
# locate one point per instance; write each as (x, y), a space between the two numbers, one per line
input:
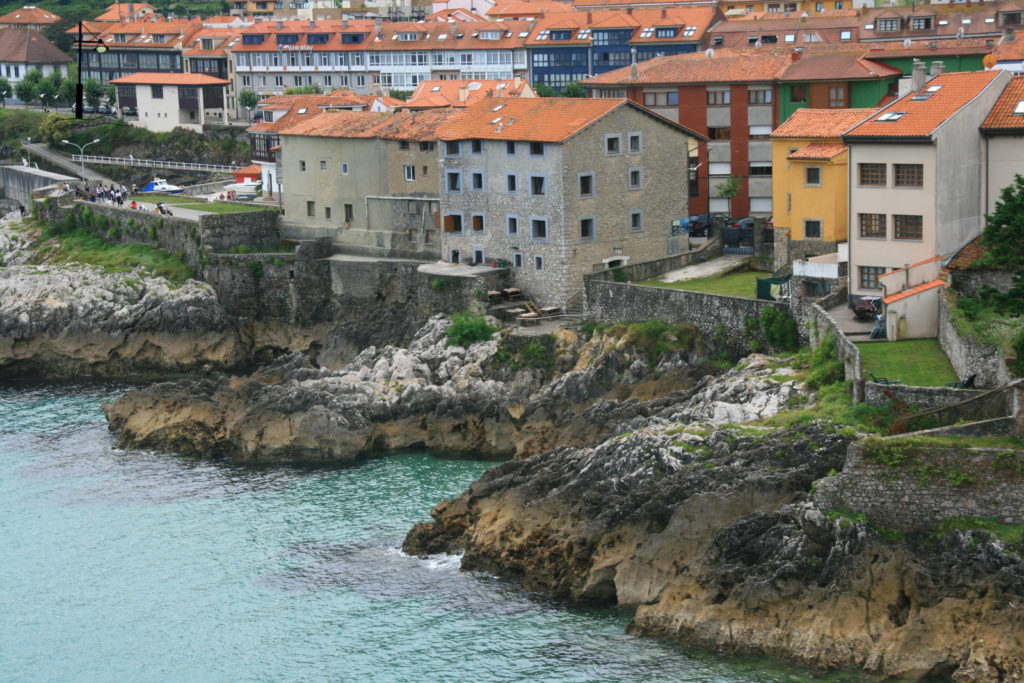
(249, 174)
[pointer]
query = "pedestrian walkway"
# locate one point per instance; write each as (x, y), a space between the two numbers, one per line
(715, 266)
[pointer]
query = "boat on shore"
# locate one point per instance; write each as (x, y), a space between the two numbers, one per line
(161, 185)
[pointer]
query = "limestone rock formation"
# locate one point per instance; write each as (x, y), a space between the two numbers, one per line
(708, 533)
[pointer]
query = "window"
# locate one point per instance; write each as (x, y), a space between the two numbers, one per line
(537, 186)
(302, 165)
(872, 174)
(586, 184)
(539, 229)
(888, 25)
(719, 133)
(538, 262)
(156, 91)
(635, 143)
(760, 169)
(869, 277)
(344, 168)
(348, 213)
(453, 182)
(636, 221)
(845, 35)
(760, 132)
(661, 99)
(798, 94)
(636, 178)
(510, 148)
(907, 227)
(512, 226)
(587, 228)
(310, 208)
(812, 228)
(476, 181)
(612, 144)
(478, 222)
(511, 183)
(718, 97)
(819, 7)
(402, 144)
(426, 146)
(920, 23)
(327, 212)
(453, 223)
(323, 165)
(517, 260)
(872, 225)
(536, 149)
(759, 96)
(812, 176)
(836, 96)
(476, 147)
(410, 172)
(908, 175)
(453, 148)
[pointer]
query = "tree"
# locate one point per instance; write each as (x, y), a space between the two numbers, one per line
(25, 91)
(54, 128)
(33, 76)
(66, 91)
(574, 89)
(110, 94)
(48, 88)
(248, 99)
(729, 188)
(544, 90)
(1004, 228)
(5, 90)
(93, 92)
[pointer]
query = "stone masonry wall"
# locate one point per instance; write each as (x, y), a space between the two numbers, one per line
(818, 325)
(720, 317)
(922, 398)
(646, 270)
(929, 486)
(971, 281)
(969, 356)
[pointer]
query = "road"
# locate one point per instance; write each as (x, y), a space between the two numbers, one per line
(66, 163)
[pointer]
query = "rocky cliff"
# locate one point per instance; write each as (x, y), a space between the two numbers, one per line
(708, 533)
(486, 400)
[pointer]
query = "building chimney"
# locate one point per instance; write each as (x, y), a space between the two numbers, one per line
(280, 25)
(664, 12)
(517, 82)
(917, 76)
(634, 72)
(312, 25)
(629, 11)
(937, 68)
(590, 17)
(463, 94)
(376, 25)
(344, 23)
(1010, 35)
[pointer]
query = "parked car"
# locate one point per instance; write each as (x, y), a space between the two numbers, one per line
(129, 111)
(700, 222)
(104, 109)
(746, 222)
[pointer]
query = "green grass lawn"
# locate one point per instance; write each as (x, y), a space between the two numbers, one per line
(918, 362)
(191, 203)
(81, 246)
(738, 283)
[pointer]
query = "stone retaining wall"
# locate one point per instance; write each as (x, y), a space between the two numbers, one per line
(924, 398)
(971, 281)
(941, 483)
(721, 317)
(819, 325)
(647, 270)
(967, 355)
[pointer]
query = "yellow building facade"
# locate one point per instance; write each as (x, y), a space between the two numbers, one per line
(809, 173)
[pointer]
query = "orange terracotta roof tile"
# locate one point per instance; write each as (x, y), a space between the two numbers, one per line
(909, 117)
(821, 151)
(726, 66)
(968, 254)
(422, 126)
(29, 15)
(915, 290)
(843, 66)
(248, 170)
(913, 265)
(143, 78)
(19, 44)
(429, 94)
(301, 107)
(1008, 112)
(821, 123)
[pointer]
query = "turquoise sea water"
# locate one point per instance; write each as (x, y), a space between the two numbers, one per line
(131, 565)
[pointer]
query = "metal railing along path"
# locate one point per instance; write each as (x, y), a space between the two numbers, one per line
(153, 163)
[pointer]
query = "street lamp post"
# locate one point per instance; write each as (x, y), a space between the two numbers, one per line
(81, 151)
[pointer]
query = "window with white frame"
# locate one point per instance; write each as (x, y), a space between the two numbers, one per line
(410, 172)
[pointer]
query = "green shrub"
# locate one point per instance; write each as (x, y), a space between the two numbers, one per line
(152, 233)
(825, 366)
(437, 284)
(618, 274)
(468, 328)
(1018, 349)
(256, 268)
(538, 353)
(779, 329)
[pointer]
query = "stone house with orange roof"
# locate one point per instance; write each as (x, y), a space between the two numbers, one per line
(29, 16)
(558, 188)
(917, 169)
(367, 180)
(169, 101)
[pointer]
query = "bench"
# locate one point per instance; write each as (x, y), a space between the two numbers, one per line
(513, 313)
(493, 295)
(529, 319)
(513, 293)
(550, 310)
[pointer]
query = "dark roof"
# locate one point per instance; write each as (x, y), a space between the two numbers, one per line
(29, 46)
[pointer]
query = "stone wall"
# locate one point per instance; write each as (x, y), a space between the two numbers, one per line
(647, 270)
(723, 318)
(971, 281)
(949, 408)
(289, 288)
(19, 182)
(819, 324)
(967, 355)
(930, 485)
(788, 250)
(923, 398)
